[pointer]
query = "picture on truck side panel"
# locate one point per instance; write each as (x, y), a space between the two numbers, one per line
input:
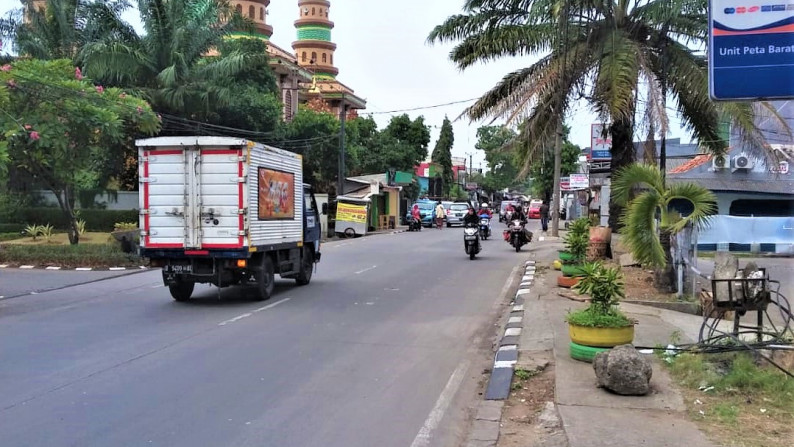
(276, 194)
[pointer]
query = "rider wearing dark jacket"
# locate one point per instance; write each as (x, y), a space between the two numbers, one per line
(471, 218)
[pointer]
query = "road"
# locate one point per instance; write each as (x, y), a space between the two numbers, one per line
(386, 347)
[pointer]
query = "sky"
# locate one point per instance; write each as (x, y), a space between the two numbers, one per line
(383, 55)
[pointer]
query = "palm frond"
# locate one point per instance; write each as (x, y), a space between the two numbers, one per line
(617, 76)
(639, 226)
(636, 176)
(703, 203)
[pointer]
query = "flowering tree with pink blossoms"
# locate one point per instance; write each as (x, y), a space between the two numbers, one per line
(60, 128)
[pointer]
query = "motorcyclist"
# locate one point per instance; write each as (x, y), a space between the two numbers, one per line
(471, 218)
(485, 211)
(416, 215)
(518, 214)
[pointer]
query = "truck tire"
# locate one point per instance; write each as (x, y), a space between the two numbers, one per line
(181, 290)
(265, 280)
(306, 268)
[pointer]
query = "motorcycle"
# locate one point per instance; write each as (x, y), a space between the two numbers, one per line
(471, 241)
(515, 235)
(485, 228)
(508, 217)
(414, 224)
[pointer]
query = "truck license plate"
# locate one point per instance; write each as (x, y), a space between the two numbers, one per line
(178, 268)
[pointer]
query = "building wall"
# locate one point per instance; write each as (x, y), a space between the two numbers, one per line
(725, 198)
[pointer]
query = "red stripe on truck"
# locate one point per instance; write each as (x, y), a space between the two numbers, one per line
(146, 197)
(240, 200)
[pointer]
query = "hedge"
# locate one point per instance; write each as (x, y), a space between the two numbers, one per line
(11, 228)
(95, 219)
(82, 255)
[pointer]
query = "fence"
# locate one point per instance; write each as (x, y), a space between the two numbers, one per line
(748, 234)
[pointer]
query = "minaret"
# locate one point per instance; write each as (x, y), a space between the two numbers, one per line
(256, 11)
(314, 48)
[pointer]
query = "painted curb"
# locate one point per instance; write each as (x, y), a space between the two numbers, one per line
(76, 269)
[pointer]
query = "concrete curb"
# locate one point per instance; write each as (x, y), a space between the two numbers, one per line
(76, 269)
(507, 353)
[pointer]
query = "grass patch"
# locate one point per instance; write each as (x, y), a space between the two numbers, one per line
(9, 236)
(62, 239)
(736, 401)
(82, 255)
(589, 318)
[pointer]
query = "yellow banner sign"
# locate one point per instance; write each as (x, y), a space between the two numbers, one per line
(351, 213)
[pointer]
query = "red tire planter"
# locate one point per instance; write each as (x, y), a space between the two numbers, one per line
(567, 281)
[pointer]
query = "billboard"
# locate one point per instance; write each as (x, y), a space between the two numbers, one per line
(579, 181)
(751, 49)
(276, 195)
(600, 143)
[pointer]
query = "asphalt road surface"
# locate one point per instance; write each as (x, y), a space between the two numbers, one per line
(385, 348)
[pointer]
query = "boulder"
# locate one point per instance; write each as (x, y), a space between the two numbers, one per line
(627, 260)
(623, 370)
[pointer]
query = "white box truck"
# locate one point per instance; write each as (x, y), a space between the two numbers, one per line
(225, 211)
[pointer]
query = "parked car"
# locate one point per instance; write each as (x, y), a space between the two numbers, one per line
(455, 213)
(426, 209)
(534, 209)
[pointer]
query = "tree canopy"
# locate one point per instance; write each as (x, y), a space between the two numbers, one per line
(442, 154)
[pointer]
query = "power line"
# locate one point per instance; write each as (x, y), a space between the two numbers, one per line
(413, 109)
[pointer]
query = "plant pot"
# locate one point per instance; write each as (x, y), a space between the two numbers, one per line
(572, 270)
(567, 281)
(556, 264)
(584, 353)
(601, 337)
(566, 256)
(601, 234)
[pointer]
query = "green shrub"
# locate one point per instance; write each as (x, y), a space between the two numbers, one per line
(82, 255)
(12, 228)
(95, 219)
(125, 226)
(10, 236)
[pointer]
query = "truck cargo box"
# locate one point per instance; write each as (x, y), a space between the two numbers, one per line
(218, 193)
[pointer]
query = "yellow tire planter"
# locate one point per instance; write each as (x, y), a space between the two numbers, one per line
(602, 337)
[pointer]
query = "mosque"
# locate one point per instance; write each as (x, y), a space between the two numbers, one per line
(308, 75)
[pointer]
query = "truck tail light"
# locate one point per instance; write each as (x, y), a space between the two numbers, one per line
(241, 263)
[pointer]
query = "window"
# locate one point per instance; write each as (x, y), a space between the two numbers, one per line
(262, 14)
(332, 59)
(251, 12)
(314, 11)
(303, 57)
(314, 58)
(325, 58)
(239, 9)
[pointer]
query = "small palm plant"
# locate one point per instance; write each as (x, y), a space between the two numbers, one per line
(648, 242)
(577, 239)
(46, 231)
(606, 287)
(33, 231)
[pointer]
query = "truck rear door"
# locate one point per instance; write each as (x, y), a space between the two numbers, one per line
(193, 198)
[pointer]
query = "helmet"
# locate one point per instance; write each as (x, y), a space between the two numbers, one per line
(484, 205)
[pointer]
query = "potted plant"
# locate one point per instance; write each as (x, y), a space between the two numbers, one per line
(600, 325)
(576, 243)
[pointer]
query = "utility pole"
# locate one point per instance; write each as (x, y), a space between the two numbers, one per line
(663, 144)
(342, 118)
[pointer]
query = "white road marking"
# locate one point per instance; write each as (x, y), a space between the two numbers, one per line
(513, 331)
(422, 438)
(248, 314)
(508, 348)
(504, 364)
(26, 267)
(2, 266)
(115, 269)
(83, 269)
(518, 308)
(530, 263)
(514, 320)
(52, 268)
(366, 269)
(522, 292)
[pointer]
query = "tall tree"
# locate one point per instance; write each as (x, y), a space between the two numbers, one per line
(314, 136)
(542, 171)
(63, 27)
(608, 52)
(499, 155)
(414, 133)
(61, 130)
(442, 154)
(168, 62)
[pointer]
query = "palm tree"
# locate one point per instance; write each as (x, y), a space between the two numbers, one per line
(647, 241)
(61, 28)
(169, 63)
(613, 53)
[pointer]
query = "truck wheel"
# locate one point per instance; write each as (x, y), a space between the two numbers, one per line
(182, 290)
(307, 267)
(265, 280)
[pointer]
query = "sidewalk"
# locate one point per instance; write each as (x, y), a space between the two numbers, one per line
(589, 416)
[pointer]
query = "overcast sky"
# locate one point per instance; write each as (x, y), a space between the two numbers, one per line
(383, 55)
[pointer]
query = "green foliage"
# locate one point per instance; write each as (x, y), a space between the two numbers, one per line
(500, 157)
(401, 145)
(457, 193)
(80, 227)
(15, 228)
(125, 226)
(523, 374)
(542, 170)
(320, 155)
(108, 255)
(46, 231)
(605, 286)
(10, 206)
(9, 236)
(655, 198)
(95, 219)
(34, 231)
(442, 154)
(60, 129)
(578, 238)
